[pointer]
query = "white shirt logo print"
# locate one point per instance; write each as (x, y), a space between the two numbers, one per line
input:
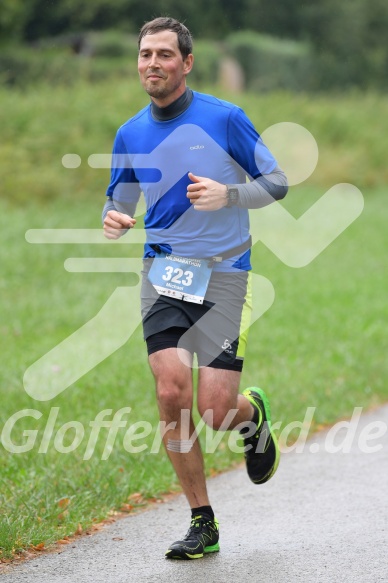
(226, 346)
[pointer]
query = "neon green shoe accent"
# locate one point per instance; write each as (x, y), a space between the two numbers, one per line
(274, 463)
(201, 538)
(267, 409)
(212, 549)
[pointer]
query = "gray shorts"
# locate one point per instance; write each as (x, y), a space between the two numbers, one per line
(212, 329)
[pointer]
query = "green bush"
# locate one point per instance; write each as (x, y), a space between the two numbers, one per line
(111, 44)
(270, 63)
(207, 57)
(25, 66)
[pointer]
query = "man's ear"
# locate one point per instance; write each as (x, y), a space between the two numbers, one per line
(188, 64)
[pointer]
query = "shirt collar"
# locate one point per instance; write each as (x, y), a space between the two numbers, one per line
(174, 109)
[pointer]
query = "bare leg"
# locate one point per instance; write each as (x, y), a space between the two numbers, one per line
(218, 394)
(174, 387)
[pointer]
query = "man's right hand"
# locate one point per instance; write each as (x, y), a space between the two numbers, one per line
(117, 224)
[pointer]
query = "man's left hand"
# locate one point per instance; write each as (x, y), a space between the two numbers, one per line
(206, 194)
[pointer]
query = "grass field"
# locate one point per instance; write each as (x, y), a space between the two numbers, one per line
(320, 345)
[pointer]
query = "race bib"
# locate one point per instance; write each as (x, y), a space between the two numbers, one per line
(181, 278)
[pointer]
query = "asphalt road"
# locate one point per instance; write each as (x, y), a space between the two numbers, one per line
(322, 518)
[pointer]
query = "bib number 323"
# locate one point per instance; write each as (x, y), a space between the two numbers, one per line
(182, 278)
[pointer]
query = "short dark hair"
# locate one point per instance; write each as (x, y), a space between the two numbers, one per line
(185, 40)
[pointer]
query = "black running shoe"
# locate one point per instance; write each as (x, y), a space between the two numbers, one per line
(201, 538)
(261, 449)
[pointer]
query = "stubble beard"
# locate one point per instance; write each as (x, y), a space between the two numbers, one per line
(160, 92)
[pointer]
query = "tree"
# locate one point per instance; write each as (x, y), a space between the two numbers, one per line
(348, 41)
(13, 17)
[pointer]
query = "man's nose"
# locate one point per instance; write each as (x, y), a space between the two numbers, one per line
(154, 61)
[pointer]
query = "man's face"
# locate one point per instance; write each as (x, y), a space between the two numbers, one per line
(161, 67)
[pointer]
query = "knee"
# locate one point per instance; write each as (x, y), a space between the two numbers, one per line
(172, 395)
(168, 395)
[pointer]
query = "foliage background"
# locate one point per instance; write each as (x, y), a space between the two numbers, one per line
(69, 79)
(315, 46)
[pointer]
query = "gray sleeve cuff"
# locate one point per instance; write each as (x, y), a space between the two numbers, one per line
(108, 206)
(262, 191)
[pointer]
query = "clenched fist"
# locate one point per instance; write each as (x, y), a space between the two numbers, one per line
(117, 224)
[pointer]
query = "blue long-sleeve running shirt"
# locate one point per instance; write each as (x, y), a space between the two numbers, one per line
(211, 138)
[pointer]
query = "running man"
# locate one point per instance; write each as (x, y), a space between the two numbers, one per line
(190, 155)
